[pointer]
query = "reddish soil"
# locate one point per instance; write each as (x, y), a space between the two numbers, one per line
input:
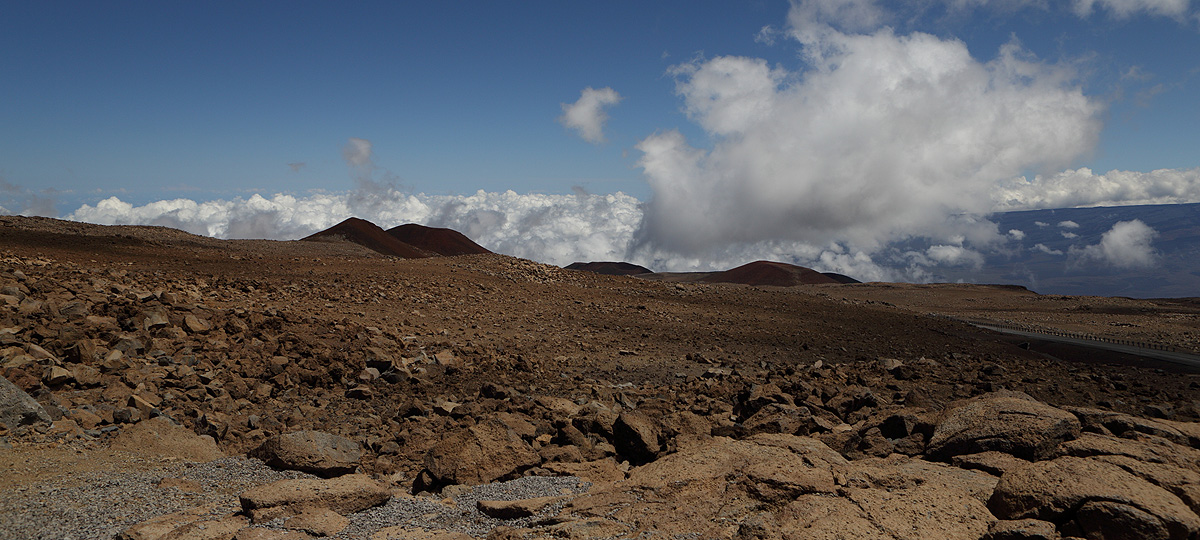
(446, 242)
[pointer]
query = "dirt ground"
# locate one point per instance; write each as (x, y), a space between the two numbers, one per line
(548, 331)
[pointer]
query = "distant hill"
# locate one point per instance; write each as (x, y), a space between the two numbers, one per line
(840, 278)
(441, 241)
(769, 273)
(610, 268)
(371, 236)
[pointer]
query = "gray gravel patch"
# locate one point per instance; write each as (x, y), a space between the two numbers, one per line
(99, 505)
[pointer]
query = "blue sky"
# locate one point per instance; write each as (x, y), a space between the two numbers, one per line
(208, 98)
(455, 96)
(814, 130)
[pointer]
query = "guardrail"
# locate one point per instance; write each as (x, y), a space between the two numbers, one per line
(1073, 335)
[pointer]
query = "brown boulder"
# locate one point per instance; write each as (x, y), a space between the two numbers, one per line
(1060, 489)
(199, 523)
(636, 437)
(311, 451)
(480, 454)
(1009, 422)
(344, 495)
(1022, 529)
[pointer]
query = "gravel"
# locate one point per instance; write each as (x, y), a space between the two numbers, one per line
(99, 505)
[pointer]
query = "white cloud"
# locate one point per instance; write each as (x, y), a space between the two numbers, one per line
(880, 137)
(1041, 224)
(954, 256)
(1068, 235)
(587, 115)
(1049, 251)
(1016, 234)
(1126, 245)
(1123, 9)
(1082, 187)
(1068, 224)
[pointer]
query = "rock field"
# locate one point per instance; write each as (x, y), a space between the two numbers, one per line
(159, 385)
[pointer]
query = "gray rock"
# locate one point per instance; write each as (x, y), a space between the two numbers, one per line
(18, 408)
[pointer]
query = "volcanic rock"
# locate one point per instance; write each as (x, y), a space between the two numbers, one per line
(1060, 490)
(636, 437)
(198, 523)
(18, 408)
(311, 451)
(479, 454)
(344, 495)
(1005, 421)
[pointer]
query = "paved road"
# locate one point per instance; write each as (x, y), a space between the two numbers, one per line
(1185, 359)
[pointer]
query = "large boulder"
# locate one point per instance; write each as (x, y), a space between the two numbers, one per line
(18, 408)
(344, 495)
(160, 438)
(1005, 421)
(636, 437)
(482, 453)
(785, 486)
(317, 452)
(1089, 494)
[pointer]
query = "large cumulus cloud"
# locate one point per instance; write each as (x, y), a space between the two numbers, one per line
(877, 136)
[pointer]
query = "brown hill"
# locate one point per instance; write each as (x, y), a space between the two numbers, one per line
(437, 240)
(769, 273)
(371, 236)
(610, 268)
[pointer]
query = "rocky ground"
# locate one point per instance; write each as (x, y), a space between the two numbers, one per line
(373, 397)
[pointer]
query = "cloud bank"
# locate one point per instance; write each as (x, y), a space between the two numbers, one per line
(587, 115)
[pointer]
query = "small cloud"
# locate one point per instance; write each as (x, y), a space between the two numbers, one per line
(767, 35)
(954, 256)
(1042, 248)
(1016, 234)
(1068, 225)
(587, 116)
(1136, 73)
(357, 152)
(1041, 224)
(1066, 234)
(296, 166)
(1125, 245)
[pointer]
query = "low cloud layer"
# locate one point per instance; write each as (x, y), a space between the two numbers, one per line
(1082, 187)
(587, 116)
